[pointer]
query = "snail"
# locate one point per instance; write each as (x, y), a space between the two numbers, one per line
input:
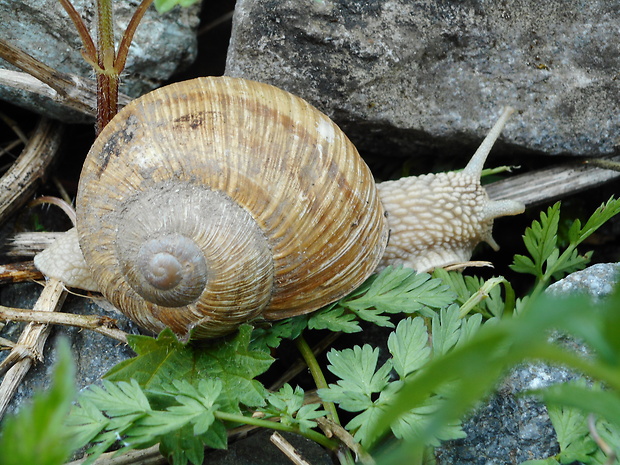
(211, 202)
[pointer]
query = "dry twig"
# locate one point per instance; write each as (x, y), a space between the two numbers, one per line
(19, 273)
(29, 347)
(28, 244)
(549, 184)
(98, 323)
(150, 456)
(287, 449)
(29, 167)
(331, 429)
(68, 89)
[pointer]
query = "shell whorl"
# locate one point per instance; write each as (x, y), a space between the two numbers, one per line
(172, 270)
(220, 168)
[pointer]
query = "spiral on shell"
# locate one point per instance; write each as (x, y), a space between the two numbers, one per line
(211, 202)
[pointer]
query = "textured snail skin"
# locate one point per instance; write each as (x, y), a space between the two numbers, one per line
(437, 220)
(209, 203)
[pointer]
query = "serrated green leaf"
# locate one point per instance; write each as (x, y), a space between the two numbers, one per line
(572, 433)
(286, 400)
(600, 216)
(399, 290)
(36, 434)
(523, 264)
(605, 404)
(574, 232)
(182, 446)
(158, 361)
(85, 422)
(540, 239)
(446, 327)
(363, 424)
(358, 378)
(334, 318)
(287, 404)
(469, 327)
(467, 286)
(130, 420)
(265, 339)
(408, 345)
(164, 6)
(411, 423)
(161, 361)
(569, 262)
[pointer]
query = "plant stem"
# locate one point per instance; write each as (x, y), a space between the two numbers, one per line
(90, 51)
(317, 374)
(123, 48)
(310, 434)
(107, 75)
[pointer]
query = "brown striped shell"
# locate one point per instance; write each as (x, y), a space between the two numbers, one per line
(211, 202)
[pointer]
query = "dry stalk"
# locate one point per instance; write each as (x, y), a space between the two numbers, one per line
(331, 429)
(549, 184)
(70, 90)
(287, 449)
(19, 273)
(29, 167)
(29, 347)
(100, 324)
(28, 244)
(65, 206)
(150, 456)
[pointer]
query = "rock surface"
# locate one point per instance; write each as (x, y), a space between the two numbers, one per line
(402, 76)
(162, 45)
(512, 428)
(597, 281)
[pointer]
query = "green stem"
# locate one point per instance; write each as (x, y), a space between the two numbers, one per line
(479, 296)
(510, 299)
(310, 434)
(317, 374)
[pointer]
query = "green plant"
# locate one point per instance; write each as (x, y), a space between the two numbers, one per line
(107, 61)
(37, 435)
(450, 373)
(454, 339)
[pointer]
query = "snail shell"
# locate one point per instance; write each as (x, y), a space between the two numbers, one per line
(208, 203)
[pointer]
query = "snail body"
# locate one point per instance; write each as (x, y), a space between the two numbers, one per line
(211, 202)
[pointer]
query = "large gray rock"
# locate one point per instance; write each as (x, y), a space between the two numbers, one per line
(400, 76)
(162, 45)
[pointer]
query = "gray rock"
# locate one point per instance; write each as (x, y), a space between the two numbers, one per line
(402, 76)
(163, 44)
(512, 428)
(596, 281)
